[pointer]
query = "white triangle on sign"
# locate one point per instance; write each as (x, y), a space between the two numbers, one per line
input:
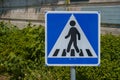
(62, 43)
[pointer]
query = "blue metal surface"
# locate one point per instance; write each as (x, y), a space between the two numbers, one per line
(55, 23)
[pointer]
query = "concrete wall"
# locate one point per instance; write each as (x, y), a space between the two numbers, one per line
(23, 3)
(109, 14)
(19, 11)
(103, 0)
(20, 3)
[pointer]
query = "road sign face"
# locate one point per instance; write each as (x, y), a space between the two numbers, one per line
(72, 38)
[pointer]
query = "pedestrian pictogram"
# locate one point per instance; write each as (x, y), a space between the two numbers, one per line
(68, 43)
(73, 33)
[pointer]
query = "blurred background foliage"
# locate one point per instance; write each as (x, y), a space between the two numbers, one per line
(22, 56)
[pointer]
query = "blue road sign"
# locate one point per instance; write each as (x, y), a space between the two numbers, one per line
(72, 38)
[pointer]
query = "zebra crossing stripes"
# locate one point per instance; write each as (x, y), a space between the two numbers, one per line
(64, 53)
(82, 53)
(89, 53)
(56, 52)
(72, 52)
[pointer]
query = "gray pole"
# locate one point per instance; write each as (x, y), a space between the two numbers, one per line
(73, 73)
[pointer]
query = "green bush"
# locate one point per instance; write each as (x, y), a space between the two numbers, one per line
(22, 54)
(21, 50)
(109, 68)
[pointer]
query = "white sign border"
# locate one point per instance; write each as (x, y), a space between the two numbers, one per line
(63, 12)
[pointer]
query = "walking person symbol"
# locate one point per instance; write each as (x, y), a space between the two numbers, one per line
(74, 35)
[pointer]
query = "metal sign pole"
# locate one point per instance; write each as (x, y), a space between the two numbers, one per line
(73, 73)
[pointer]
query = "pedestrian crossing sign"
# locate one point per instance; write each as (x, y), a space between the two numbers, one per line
(72, 38)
